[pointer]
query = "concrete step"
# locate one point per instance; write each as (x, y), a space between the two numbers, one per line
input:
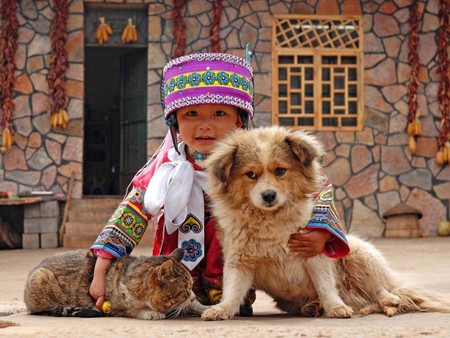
(84, 227)
(87, 215)
(106, 203)
(85, 241)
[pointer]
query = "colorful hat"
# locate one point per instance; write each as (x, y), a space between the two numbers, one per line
(207, 78)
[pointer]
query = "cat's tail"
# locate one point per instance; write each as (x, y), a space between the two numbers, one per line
(416, 299)
(70, 311)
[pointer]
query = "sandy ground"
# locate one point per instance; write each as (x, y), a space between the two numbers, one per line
(425, 260)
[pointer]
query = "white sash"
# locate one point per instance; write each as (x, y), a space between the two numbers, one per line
(178, 188)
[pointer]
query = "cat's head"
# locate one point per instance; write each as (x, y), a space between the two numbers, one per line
(169, 284)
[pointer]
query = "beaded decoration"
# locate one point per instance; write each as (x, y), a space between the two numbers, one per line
(207, 78)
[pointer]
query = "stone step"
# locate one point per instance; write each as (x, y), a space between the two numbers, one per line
(84, 227)
(87, 215)
(85, 241)
(106, 203)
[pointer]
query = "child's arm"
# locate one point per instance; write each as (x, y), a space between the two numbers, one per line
(324, 232)
(97, 288)
(309, 242)
(125, 228)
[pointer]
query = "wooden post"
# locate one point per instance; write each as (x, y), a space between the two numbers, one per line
(66, 209)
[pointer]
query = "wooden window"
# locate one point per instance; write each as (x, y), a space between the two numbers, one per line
(318, 72)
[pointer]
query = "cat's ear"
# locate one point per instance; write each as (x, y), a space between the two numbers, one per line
(177, 254)
(165, 269)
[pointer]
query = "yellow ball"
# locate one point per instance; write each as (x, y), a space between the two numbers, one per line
(106, 307)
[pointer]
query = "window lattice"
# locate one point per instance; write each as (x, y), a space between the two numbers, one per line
(317, 78)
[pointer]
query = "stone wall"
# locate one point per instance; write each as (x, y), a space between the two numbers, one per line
(372, 169)
(43, 158)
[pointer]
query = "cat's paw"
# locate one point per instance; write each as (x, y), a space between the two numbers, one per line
(150, 315)
(218, 312)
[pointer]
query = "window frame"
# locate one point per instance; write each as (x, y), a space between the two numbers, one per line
(317, 53)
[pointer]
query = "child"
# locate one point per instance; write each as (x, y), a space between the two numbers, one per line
(204, 98)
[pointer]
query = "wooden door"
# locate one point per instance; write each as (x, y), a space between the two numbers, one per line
(133, 115)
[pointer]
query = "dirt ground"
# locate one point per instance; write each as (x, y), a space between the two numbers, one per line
(424, 260)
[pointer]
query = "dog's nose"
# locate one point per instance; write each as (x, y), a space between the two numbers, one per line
(269, 196)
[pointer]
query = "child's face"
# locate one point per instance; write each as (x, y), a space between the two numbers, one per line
(201, 125)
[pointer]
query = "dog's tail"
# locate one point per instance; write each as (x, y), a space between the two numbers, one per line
(414, 299)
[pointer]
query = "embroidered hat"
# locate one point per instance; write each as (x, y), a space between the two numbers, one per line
(206, 78)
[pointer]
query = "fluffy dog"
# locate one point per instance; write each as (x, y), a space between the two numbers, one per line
(261, 184)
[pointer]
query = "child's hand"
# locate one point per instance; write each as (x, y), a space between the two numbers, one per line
(97, 291)
(308, 242)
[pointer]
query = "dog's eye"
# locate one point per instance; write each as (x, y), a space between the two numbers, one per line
(280, 171)
(251, 175)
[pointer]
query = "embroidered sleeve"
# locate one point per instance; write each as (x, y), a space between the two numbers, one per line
(325, 216)
(126, 226)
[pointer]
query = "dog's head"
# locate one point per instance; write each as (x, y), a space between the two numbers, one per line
(265, 168)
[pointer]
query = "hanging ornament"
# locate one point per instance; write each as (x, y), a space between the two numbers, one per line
(214, 34)
(8, 47)
(103, 31)
(443, 155)
(179, 28)
(59, 62)
(414, 125)
(129, 32)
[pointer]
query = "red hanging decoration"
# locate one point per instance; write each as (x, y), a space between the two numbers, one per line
(414, 125)
(179, 28)
(59, 62)
(8, 47)
(214, 35)
(443, 155)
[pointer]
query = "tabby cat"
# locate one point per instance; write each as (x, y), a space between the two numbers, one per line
(139, 287)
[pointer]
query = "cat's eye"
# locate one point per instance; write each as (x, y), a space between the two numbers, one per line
(280, 171)
(251, 175)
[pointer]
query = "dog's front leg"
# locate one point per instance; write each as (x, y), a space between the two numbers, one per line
(236, 283)
(321, 272)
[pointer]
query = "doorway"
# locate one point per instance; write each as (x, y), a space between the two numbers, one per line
(115, 118)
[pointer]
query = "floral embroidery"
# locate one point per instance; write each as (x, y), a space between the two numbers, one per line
(117, 214)
(128, 220)
(223, 78)
(235, 80)
(194, 79)
(171, 85)
(136, 195)
(138, 230)
(181, 82)
(209, 78)
(192, 250)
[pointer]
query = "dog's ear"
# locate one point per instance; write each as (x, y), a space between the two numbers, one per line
(305, 146)
(222, 166)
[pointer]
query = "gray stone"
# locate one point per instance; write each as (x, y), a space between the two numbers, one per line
(42, 224)
(39, 160)
(39, 45)
(27, 178)
(418, 178)
(29, 10)
(50, 209)
(365, 222)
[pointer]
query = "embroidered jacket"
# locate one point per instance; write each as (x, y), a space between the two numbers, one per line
(127, 225)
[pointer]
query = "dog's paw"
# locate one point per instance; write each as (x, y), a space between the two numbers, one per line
(390, 304)
(340, 311)
(218, 312)
(370, 309)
